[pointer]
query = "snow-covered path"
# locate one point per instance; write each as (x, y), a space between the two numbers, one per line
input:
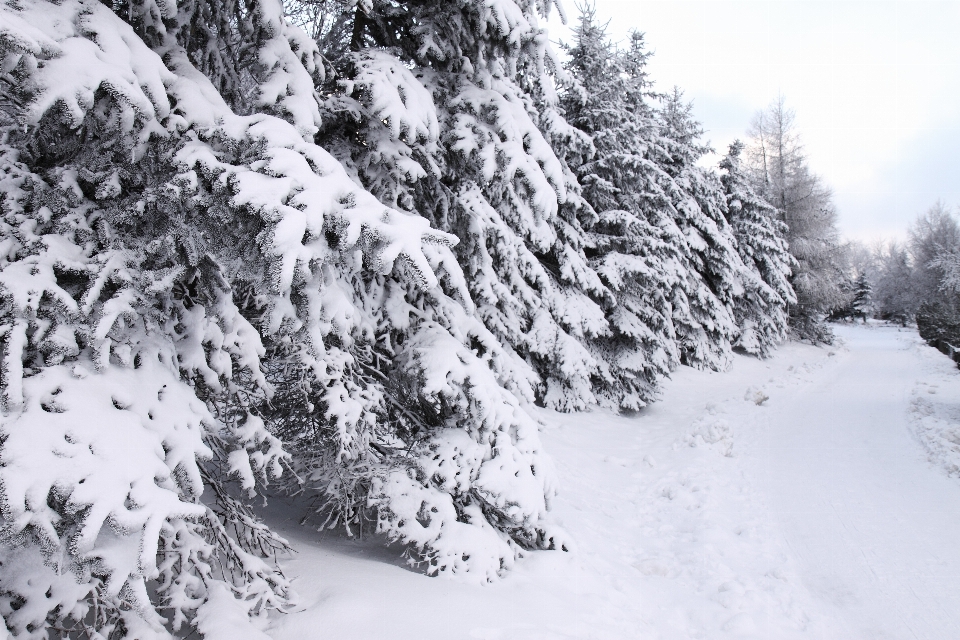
(807, 496)
(873, 526)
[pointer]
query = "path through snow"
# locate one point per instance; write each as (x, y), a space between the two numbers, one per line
(813, 495)
(873, 526)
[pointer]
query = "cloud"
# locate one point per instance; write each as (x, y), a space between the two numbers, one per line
(875, 84)
(925, 170)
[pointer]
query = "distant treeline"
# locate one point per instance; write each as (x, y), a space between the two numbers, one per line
(911, 281)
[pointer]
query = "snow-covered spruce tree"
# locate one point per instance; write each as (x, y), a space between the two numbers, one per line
(781, 175)
(410, 371)
(862, 304)
(703, 315)
(129, 376)
(761, 312)
(636, 247)
(449, 110)
(178, 258)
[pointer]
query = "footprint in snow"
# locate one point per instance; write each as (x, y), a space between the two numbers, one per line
(740, 623)
(652, 567)
(756, 396)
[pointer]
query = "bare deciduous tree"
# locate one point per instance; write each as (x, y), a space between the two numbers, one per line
(780, 173)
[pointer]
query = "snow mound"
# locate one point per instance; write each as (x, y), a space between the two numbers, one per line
(935, 410)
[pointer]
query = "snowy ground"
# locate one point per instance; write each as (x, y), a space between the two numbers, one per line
(812, 495)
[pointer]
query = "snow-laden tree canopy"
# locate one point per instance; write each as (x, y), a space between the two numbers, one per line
(335, 249)
(761, 312)
(186, 276)
(668, 238)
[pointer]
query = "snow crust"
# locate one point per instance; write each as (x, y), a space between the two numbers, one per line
(935, 410)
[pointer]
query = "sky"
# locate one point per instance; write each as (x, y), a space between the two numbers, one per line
(875, 86)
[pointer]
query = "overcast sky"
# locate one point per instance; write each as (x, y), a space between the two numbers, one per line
(875, 85)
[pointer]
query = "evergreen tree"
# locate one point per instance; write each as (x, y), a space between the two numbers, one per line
(451, 111)
(761, 312)
(862, 298)
(661, 239)
(636, 246)
(715, 273)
